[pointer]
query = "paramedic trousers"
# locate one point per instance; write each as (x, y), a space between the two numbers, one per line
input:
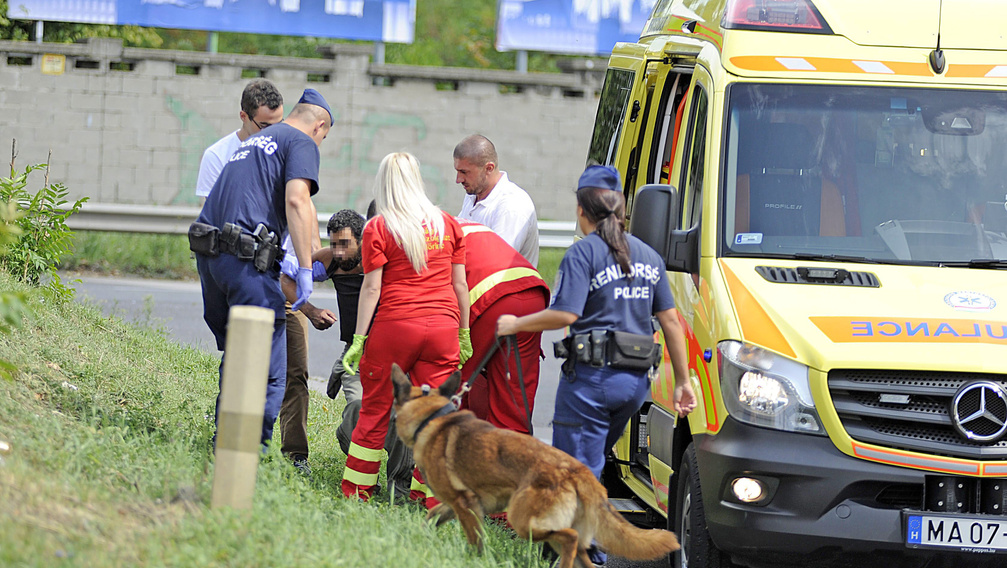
(227, 281)
(496, 396)
(424, 347)
(294, 409)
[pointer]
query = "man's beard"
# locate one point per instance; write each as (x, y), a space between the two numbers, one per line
(348, 264)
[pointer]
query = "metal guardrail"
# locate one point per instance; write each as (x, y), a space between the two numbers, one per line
(175, 220)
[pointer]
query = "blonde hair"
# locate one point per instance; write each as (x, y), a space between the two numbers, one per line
(405, 207)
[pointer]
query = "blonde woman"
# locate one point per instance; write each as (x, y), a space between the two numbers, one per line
(413, 256)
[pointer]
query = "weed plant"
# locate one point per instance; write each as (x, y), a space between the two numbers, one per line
(33, 251)
(110, 465)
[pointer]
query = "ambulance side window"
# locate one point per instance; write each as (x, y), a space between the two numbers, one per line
(671, 116)
(611, 113)
(692, 182)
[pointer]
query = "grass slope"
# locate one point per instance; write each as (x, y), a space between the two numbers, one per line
(109, 427)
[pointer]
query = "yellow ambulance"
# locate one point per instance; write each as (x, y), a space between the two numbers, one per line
(827, 181)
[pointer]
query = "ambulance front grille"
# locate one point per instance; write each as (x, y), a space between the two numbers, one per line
(908, 410)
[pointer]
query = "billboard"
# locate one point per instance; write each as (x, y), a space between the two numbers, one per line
(584, 27)
(375, 20)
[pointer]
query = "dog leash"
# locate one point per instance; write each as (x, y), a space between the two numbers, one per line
(467, 385)
(512, 345)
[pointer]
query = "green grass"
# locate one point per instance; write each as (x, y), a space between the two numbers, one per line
(548, 263)
(153, 256)
(109, 427)
(167, 256)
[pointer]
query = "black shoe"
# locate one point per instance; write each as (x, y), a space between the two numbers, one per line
(398, 492)
(301, 464)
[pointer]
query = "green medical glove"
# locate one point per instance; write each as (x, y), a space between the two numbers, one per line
(464, 344)
(354, 353)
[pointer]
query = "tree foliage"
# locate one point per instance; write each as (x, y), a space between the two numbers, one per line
(451, 33)
(67, 32)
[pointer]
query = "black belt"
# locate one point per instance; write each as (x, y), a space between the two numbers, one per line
(261, 247)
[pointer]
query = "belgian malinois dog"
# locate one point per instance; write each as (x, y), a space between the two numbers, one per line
(475, 469)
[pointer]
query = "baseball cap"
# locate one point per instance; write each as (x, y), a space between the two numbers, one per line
(313, 97)
(604, 177)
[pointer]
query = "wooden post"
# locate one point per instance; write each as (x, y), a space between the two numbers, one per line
(242, 400)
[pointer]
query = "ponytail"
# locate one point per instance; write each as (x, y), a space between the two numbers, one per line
(607, 210)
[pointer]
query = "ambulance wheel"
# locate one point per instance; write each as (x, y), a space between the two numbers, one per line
(689, 524)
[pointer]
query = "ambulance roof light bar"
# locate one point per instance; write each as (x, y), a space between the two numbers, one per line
(775, 15)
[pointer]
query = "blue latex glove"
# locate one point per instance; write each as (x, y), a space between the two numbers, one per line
(304, 287)
(354, 353)
(289, 266)
(318, 272)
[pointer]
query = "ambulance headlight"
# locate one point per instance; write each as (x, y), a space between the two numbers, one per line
(762, 388)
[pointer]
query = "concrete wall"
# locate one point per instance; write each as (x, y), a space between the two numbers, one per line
(127, 125)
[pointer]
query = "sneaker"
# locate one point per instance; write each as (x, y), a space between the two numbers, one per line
(598, 558)
(301, 464)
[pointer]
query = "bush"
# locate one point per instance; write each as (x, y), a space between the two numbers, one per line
(41, 237)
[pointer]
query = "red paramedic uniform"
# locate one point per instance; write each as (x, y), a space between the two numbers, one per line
(415, 327)
(501, 281)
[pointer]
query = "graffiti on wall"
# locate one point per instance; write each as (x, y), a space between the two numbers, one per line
(355, 163)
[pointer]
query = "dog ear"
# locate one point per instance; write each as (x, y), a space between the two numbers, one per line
(449, 387)
(403, 387)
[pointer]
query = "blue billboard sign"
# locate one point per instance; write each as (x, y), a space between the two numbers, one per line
(375, 20)
(585, 27)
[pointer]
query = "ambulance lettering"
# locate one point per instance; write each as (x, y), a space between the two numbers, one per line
(930, 330)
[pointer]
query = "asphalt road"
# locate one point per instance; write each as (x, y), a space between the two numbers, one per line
(177, 308)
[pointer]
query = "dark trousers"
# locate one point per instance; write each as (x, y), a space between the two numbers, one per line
(294, 409)
(593, 406)
(227, 281)
(399, 467)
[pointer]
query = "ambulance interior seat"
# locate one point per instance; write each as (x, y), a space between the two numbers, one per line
(780, 192)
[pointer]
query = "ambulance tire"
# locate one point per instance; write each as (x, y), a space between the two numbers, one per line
(689, 524)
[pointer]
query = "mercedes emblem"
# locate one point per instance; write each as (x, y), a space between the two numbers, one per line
(979, 411)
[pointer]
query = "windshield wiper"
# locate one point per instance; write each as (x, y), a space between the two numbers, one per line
(834, 258)
(994, 263)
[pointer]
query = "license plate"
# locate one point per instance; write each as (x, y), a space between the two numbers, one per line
(965, 533)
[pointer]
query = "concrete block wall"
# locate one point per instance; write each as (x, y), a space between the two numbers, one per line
(125, 127)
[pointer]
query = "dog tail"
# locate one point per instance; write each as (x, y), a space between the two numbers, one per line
(617, 536)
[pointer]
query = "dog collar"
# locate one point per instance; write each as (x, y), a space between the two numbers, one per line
(444, 411)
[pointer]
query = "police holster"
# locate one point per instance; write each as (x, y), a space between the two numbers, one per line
(204, 239)
(617, 349)
(262, 247)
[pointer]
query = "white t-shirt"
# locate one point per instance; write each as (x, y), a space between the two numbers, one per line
(213, 162)
(509, 211)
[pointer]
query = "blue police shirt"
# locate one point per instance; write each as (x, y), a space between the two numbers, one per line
(252, 186)
(591, 284)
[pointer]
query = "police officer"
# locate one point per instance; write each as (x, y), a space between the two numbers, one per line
(608, 287)
(263, 191)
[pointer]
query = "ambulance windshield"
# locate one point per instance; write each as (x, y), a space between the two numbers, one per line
(880, 174)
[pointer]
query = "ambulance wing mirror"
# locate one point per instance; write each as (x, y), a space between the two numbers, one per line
(655, 214)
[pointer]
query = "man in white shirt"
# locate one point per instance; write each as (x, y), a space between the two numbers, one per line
(492, 199)
(261, 106)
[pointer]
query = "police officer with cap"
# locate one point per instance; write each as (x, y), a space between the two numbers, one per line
(609, 286)
(263, 192)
